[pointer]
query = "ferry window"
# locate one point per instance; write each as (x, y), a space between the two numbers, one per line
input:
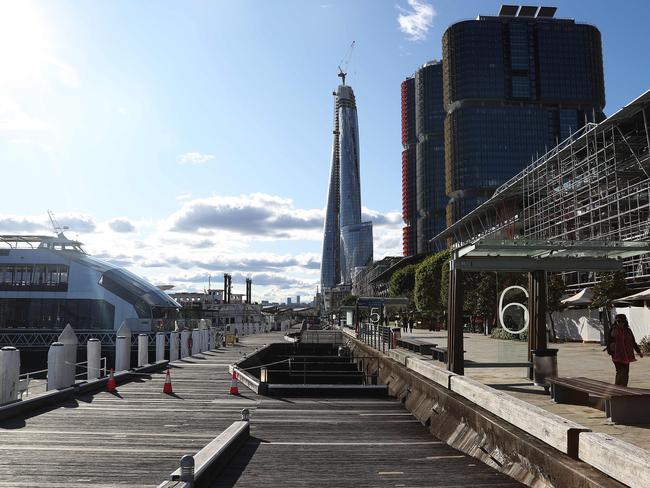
(39, 274)
(7, 274)
(63, 274)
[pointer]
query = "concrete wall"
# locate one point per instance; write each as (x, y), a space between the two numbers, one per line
(475, 430)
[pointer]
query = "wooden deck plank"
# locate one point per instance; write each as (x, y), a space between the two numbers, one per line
(138, 437)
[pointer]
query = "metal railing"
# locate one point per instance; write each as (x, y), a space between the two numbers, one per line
(298, 367)
(380, 337)
(36, 380)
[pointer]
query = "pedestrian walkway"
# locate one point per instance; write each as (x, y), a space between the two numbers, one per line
(574, 359)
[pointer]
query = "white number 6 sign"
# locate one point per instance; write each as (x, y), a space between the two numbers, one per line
(502, 309)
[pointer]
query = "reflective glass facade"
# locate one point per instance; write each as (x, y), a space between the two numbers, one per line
(345, 238)
(149, 302)
(430, 159)
(356, 248)
(423, 163)
(54, 313)
(513, 86)
(33, 277)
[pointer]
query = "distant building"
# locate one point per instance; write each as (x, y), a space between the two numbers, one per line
(374, 280)
(514, 84)
(212, 306)
(298, 299)
(288, 300)
(347, 242)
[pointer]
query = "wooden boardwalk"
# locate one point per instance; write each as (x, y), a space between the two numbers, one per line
(137, 438)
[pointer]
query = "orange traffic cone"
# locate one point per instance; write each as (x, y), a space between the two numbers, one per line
(167, 387)
(234, 388)
(111, 385)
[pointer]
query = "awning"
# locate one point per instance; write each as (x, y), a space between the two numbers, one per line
(637, 297)
(583, 298)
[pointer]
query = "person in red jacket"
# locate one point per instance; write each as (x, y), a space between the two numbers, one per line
(621, 347)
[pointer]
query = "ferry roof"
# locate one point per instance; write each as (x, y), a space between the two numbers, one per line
(59, 242)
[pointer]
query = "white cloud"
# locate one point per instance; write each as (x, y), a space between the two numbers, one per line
(192, 158)
(13, 118)
(216, 235)
(416, 21)
(121, 225)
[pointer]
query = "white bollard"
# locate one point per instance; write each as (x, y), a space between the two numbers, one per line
(196, 341)
(173, 346)
(185, 349)
(56, 371)
(69, 340)
(94, 355)
(143, 349)
(160, 346)
(9, 374)
(122, 353)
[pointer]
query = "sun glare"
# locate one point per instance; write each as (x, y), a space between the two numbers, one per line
(24, 42)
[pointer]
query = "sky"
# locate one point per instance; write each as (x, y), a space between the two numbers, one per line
(183, 140)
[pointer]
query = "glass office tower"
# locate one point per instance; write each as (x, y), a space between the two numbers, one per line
(347, 242)
(423, 165)
(514, 85)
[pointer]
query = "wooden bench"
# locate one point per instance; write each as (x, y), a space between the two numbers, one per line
(622, 404)
(439, 353)
(416, 345)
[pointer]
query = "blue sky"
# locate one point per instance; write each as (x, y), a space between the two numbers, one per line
(182, 139)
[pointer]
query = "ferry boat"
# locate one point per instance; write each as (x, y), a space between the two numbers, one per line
(47, 282)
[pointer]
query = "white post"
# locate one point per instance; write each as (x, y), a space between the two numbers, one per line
(196, 341)
(210, 339)
(122, 353)
(143, 349)
(185, 350)
(173, 346)
(160, 346)
(9, 374)
(56, 372)
(69, 340)
(94, 355)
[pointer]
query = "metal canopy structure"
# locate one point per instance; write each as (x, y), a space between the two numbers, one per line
(536, 257)
(521, 255)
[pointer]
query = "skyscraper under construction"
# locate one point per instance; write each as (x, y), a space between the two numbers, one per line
(347, 241)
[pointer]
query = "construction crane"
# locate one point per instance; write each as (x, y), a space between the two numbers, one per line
(58, 230)
(345, 62)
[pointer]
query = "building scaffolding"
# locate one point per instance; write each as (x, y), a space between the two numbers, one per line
(595, 185)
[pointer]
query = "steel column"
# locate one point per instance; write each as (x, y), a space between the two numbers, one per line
(455, 348)
(537, 338)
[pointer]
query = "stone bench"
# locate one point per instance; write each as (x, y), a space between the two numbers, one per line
(622, 404)
(416, 345)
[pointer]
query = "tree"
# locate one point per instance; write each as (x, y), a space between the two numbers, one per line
(555, 291)
(606, 291)
(349, 300)
(402, 282)
(486, 292)
(428, 282)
